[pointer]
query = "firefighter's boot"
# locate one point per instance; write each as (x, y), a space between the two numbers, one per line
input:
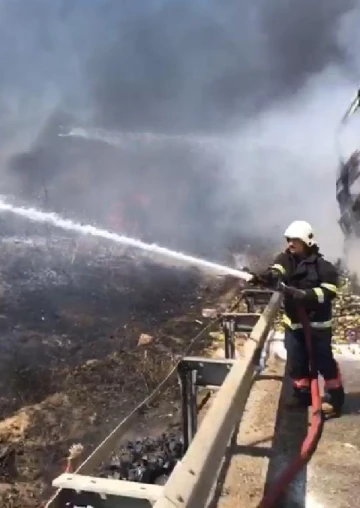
(300, 399)
(333, 403)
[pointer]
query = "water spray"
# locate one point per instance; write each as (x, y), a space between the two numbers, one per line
(56, 220)
(124, 138)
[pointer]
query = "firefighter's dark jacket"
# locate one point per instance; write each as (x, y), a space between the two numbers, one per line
(315, 275)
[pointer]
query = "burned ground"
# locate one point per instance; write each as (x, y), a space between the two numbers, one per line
(71, 314)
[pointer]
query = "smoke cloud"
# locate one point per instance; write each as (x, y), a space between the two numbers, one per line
(241, 99)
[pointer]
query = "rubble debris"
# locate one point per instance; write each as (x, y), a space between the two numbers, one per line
(13, 429)
(7, 463)
(148, 460)
(346, 314)
(217, 335)
(209, 313)
(145, 339)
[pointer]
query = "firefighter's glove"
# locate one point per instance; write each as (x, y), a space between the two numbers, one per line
(297, 294)
(257, 280)
(270, 279)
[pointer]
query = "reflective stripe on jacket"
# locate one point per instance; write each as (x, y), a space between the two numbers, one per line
(317, 277)
(319, 325)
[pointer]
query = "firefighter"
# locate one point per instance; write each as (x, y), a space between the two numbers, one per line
(310, 281)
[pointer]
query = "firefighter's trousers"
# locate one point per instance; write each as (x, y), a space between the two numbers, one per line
(298, 362)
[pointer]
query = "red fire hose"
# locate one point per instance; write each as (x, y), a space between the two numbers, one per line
(314, 433)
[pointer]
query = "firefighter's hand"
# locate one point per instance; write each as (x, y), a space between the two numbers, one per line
(268, 280)
(298, 294)
(255, 279)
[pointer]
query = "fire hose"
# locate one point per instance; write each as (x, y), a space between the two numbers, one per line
(310, 443)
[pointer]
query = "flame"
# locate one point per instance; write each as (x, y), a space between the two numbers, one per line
(119, 219)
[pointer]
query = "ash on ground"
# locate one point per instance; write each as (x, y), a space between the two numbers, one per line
(72, 365)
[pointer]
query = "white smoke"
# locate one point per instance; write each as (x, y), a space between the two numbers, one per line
(271, 79)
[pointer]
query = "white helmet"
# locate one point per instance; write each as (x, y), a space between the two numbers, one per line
(301, 230)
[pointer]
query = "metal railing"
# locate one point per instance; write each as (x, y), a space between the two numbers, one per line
(191, 481)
